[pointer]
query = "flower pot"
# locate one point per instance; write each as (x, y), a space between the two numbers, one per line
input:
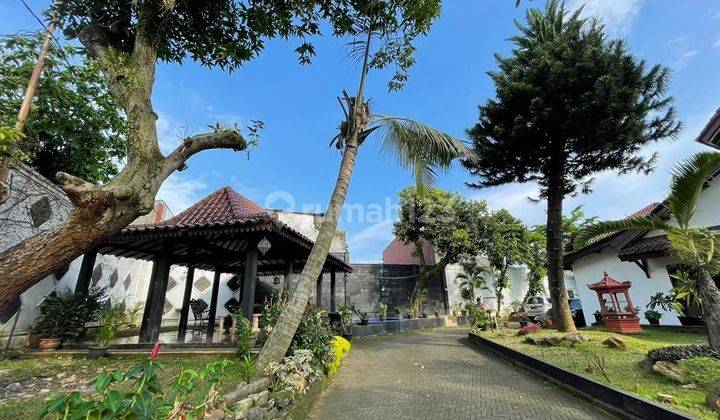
(364, 322)
(49, 344)
(690, 321)
(97, 352)
(424, 315)
(653, 321)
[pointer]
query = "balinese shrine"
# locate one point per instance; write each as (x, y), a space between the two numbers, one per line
(616, 307)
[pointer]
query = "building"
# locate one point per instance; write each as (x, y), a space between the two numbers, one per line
(644, 258)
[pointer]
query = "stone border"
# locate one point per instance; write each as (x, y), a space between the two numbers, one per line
(612, 399)
(401, 325)
(302, 406)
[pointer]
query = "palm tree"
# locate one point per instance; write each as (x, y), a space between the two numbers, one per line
(421, 149)
(471, 280)
(695, 246)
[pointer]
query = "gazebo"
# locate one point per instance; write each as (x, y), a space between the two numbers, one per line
(616, 307)
(225, 233)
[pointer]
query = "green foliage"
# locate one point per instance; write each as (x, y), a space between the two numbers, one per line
(704, 371)
(111, 316)
(138, 400)
(382, 310)
(480, 317)
(346, 313)
(227, 33)
(62, 315)
(677, 353)
(652, 314)
(313, 334)
(133, 313)
(244, 335)
(188, 381)
(9, 140)
(471, 280)
(660, 300)
(75, 124)
(569, 102)
(246, 366)
(507, 246)
(340, 349)
(572, 225)
(685, 292)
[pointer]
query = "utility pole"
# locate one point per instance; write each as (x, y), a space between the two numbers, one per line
(5, 161)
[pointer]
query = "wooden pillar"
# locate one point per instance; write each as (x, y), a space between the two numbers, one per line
(148, 299)
(333, 307)
(157, 301)
(86, 268)
(182, 325)
(287, 278)
(249, 280)
(213, 303)
(318, 291)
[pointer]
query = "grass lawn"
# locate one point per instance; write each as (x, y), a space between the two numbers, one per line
(623, 367)
(47, 377)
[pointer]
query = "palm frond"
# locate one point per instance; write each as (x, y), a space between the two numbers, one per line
(687, 183)
(595, 230)
(420, 148)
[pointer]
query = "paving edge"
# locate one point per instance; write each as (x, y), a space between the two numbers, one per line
(608, 397)
(302, 407)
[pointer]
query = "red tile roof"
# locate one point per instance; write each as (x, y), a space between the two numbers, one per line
(223, 206)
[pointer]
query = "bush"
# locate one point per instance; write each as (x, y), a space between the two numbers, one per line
(313, 334)
(243, 335)
(340, 349)
(529, 329)
(480, 317)
(62, 315)
(677, 353)
(704, 371)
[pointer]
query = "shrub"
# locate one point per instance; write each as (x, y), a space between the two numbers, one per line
(313, 334)
(529, 329)
(247, 368)
(704, 371)
(111, 316)
(677, 353)
(480, 317)
(62, 315)
(340, 349)
(383, 311)
(244, 335)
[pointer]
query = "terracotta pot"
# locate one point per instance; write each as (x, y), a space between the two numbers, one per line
(49, 344)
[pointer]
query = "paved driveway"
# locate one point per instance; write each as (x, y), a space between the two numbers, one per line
(434, 374)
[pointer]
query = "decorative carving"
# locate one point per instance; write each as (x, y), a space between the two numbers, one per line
(128, 281)
(96, 274)
(40, 211)
(232, 305)
(171, 283)
(114, 278)
(202, 284)
(234, 283)
(167, 306)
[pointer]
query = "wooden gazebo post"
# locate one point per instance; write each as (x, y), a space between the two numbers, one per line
(212, 312)
(249, 280)
(184, 311)
(333, 307)
(85, 275)
(158, 284)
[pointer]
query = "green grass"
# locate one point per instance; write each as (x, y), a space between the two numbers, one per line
(623, 367)
(35, 370)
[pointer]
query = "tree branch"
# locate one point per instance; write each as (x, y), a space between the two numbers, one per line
(97, 42)
(220, 139)
(79, 191)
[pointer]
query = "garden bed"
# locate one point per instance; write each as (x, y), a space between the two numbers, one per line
(622, 369)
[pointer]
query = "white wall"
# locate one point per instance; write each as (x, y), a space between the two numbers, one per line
(589, 269)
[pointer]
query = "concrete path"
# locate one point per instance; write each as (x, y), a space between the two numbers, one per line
(434, 374)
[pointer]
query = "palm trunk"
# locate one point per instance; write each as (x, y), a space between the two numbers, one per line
(556, 275)
(284, 330)
(710, 295)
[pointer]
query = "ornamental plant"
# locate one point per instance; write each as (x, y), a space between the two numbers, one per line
(529, 329)
(62, 315)
(340, 349)
(244, 335)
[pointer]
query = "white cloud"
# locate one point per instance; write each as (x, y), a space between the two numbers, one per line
(617, 15)
(170, 131)
(364, 245)
(683, 49)
(179, 193)
(516, 199)
(683, 59)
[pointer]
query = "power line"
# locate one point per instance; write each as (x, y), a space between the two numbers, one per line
(52, 35)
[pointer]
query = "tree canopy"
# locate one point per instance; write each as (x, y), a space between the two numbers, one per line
(76, 125)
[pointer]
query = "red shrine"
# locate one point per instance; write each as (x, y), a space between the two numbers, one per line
(616, 308)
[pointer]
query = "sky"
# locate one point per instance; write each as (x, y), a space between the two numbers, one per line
(293, 168)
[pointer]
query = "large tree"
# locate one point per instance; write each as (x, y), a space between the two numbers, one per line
(695, 246)
(390, 25)
(127, 38)
(76, 125)
(569, 103)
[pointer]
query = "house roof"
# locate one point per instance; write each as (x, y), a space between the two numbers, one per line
(710, 135)
(654, 246)
(609, 283)
(618, 239)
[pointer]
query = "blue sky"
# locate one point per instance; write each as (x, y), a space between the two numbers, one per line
(298, 105)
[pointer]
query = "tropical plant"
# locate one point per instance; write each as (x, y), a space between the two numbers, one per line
(685, 291)
(212, 374)
(9, 138)
(137, 400)
(346, 312)
(133, 314)
(382, 311)
(652, 314)
(76, 125)
(665, 302)
(695, 246)
(416, 301)
(246, 367)
(244, 335)
(62, 315)
(313, 334)
(570, 102)
(507, 246)
(110, 318)
(535, 259)
(415, 146)
(471, 280)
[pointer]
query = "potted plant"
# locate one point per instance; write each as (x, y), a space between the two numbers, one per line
(346, 312)
(409, 314)
(364, 317)
(653, 317)
(424, 313)
(62, 315)
(133, 314)
(398, 312)
(110, 317)
(383, 311)
(437, 312)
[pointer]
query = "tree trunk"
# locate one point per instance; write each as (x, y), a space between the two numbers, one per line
(556, 275)
(282, 334)
(710, 295)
